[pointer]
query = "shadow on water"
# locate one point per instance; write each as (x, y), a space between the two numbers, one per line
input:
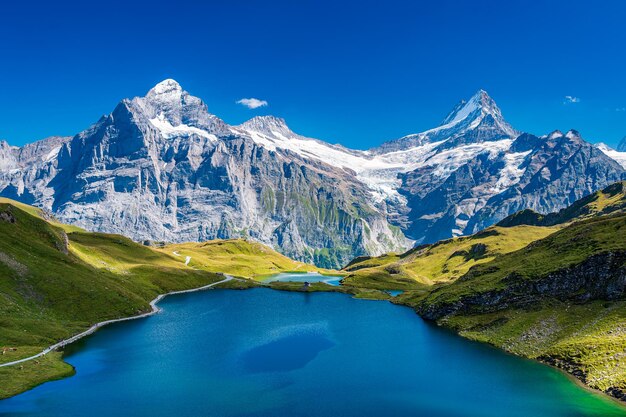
(285, 354)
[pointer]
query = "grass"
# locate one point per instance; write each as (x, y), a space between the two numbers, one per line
(567, 247)
(28, 375)
(238, 257)
(56, 281)
(445, 261)
(589, 337)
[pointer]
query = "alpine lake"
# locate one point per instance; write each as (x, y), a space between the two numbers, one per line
(262, 352)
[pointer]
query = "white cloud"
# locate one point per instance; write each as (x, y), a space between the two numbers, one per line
(571, 100)
(252, 103)
(620, 109)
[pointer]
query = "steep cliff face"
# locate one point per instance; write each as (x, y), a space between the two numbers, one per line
(599, 277)
(160, 167)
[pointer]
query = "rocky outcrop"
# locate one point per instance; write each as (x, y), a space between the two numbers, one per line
(599, 277)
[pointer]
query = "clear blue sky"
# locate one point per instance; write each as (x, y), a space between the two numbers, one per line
(355, 72)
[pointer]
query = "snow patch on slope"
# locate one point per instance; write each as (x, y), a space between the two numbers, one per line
(380, 171)
(512, 171)
(617, 156)
(168, 131)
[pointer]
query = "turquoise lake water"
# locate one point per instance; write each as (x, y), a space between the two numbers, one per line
(269, 353)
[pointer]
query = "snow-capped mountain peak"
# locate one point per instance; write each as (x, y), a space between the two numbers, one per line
(466, 108)
(478, 119)
(171, 110)
(469, 114)
(554, 134)
(166, 88)
(617, 155)
(267, 125)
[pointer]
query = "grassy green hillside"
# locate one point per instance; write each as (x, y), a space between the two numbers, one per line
(444, 261)
(560, 299)
(237, 257)
(57, 280)
(559, 251)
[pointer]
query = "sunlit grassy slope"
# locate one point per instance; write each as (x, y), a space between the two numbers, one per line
(443, 261)
(236, 256)
(501, 302)
(57, 280)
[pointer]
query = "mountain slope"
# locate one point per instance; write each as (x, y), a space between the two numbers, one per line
(610, 200)
(443, 261)
(618, 155)
(448, 260)
(539, 173)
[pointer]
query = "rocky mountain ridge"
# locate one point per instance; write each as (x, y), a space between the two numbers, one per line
(162, 167)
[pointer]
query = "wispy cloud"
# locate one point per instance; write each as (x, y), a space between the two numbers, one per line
(620, 109)
(571, 100)
(252, 103)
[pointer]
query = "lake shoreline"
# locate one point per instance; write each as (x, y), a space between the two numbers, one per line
(577, 380)
(154, 309)
(180, 361)
(329, 288)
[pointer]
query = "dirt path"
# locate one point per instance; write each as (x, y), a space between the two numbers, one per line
(153, 305)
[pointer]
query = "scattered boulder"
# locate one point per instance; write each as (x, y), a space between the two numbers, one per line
(7, 216)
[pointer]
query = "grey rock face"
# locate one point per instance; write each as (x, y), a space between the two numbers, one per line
(622, 145)
(544, 174)
(160, 167)
(600, 277)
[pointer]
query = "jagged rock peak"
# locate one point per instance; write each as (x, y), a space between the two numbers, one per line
(571, 134)
(165, 88)
(466, 107)
(266, 125)
(554, 134)
(168, 104)
(622, 145)
(474, 110)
